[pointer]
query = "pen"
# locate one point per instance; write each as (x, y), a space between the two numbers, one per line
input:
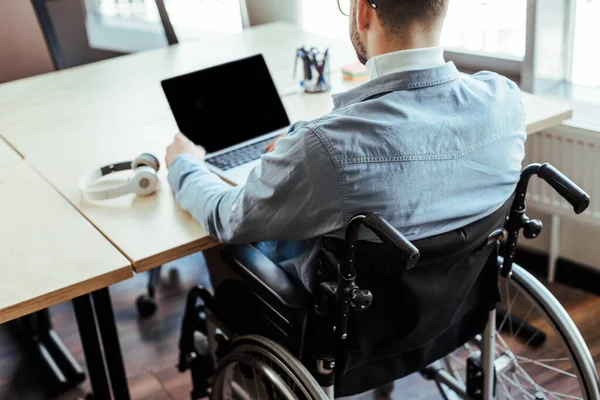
(307, 66)
(296, 64)
(300, 54)
(322, 69)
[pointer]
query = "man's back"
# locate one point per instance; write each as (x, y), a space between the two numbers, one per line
(430, 150)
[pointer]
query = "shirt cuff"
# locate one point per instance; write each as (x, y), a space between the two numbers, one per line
(182, 166)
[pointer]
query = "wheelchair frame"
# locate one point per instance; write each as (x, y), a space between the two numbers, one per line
(346, 297)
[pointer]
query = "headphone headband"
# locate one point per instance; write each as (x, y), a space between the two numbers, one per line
(109, 169)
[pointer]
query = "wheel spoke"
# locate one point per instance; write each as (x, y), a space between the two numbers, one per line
(542, 364)
(521, 372)
(256, 386)
(456, 359)
(509, 310)
(503, 386)
(522, 389)
(523, 320)
(243, 380)
(537, 332)
(568, 396)
(506, 349)
(524, 369)
(450, 367)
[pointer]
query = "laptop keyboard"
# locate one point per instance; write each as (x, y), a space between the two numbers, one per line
(240, 156)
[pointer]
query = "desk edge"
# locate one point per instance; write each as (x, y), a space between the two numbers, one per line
(65, 294)
(175, 253)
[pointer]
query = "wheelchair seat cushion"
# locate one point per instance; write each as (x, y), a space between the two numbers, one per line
(422, 314)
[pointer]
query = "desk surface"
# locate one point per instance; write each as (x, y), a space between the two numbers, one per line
(49, 253)
(69, 122)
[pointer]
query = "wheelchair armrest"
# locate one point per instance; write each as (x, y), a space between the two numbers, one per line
(265, 276)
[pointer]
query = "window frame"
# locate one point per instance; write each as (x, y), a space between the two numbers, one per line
(523, 71)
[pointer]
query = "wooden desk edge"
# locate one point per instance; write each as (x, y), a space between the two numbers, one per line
(157, 260)
(549, 123)
(65, 294)
(13, 148)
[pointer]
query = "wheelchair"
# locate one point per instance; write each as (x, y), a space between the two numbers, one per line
(454, 307)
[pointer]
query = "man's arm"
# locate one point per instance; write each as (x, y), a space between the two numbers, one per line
(293, 194)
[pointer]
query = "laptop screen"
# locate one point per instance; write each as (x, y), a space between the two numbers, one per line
(227, 104)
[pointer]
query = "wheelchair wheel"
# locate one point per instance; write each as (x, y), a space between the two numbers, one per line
(540, 354)
(258, 368)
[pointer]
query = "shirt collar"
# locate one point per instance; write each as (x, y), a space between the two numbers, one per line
(405, 60)
(395, 81)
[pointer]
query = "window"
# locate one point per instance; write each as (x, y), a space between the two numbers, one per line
(586, 49)
(549, 46)
(324, 17)
(495, 27)
(575, 76)
(134, 25)
(489, 26)
(478, 34)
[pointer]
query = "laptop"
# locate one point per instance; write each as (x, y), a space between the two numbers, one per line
(233, 110)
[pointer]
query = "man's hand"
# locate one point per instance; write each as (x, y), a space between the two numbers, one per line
(271, 146)
(183, 145)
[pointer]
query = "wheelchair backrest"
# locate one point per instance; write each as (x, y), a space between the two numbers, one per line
(419, 315)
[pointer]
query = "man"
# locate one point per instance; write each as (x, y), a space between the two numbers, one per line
(428, 149)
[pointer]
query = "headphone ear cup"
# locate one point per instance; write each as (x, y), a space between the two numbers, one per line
(145, 181)
(147, 160)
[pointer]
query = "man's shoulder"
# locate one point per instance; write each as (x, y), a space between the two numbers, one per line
(317, 126)
(494, 80)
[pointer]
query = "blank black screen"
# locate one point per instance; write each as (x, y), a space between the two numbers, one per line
(225, 105)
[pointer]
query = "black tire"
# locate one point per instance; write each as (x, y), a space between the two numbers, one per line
(270, 356)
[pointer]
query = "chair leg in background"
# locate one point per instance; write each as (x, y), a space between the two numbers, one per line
(146, 303)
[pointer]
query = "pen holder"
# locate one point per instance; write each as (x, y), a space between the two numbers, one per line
(316, 70)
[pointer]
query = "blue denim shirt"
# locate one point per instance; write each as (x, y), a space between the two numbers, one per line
(429, 150)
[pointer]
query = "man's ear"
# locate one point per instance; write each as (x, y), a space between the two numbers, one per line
(363, 15)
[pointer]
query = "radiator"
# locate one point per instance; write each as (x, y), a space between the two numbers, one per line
(576, 153)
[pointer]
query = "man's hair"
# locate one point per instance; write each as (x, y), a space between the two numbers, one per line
(394, 14)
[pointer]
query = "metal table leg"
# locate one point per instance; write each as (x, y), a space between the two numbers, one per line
(110, 342)
(84, 312)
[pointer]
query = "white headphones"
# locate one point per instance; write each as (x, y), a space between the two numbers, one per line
(143, 182)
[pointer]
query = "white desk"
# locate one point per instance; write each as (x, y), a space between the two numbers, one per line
(49, 253)
(125, 92)
(70, 122)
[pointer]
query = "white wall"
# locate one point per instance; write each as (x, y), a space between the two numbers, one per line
(579, 242)
(256, 12)
(23, 50)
